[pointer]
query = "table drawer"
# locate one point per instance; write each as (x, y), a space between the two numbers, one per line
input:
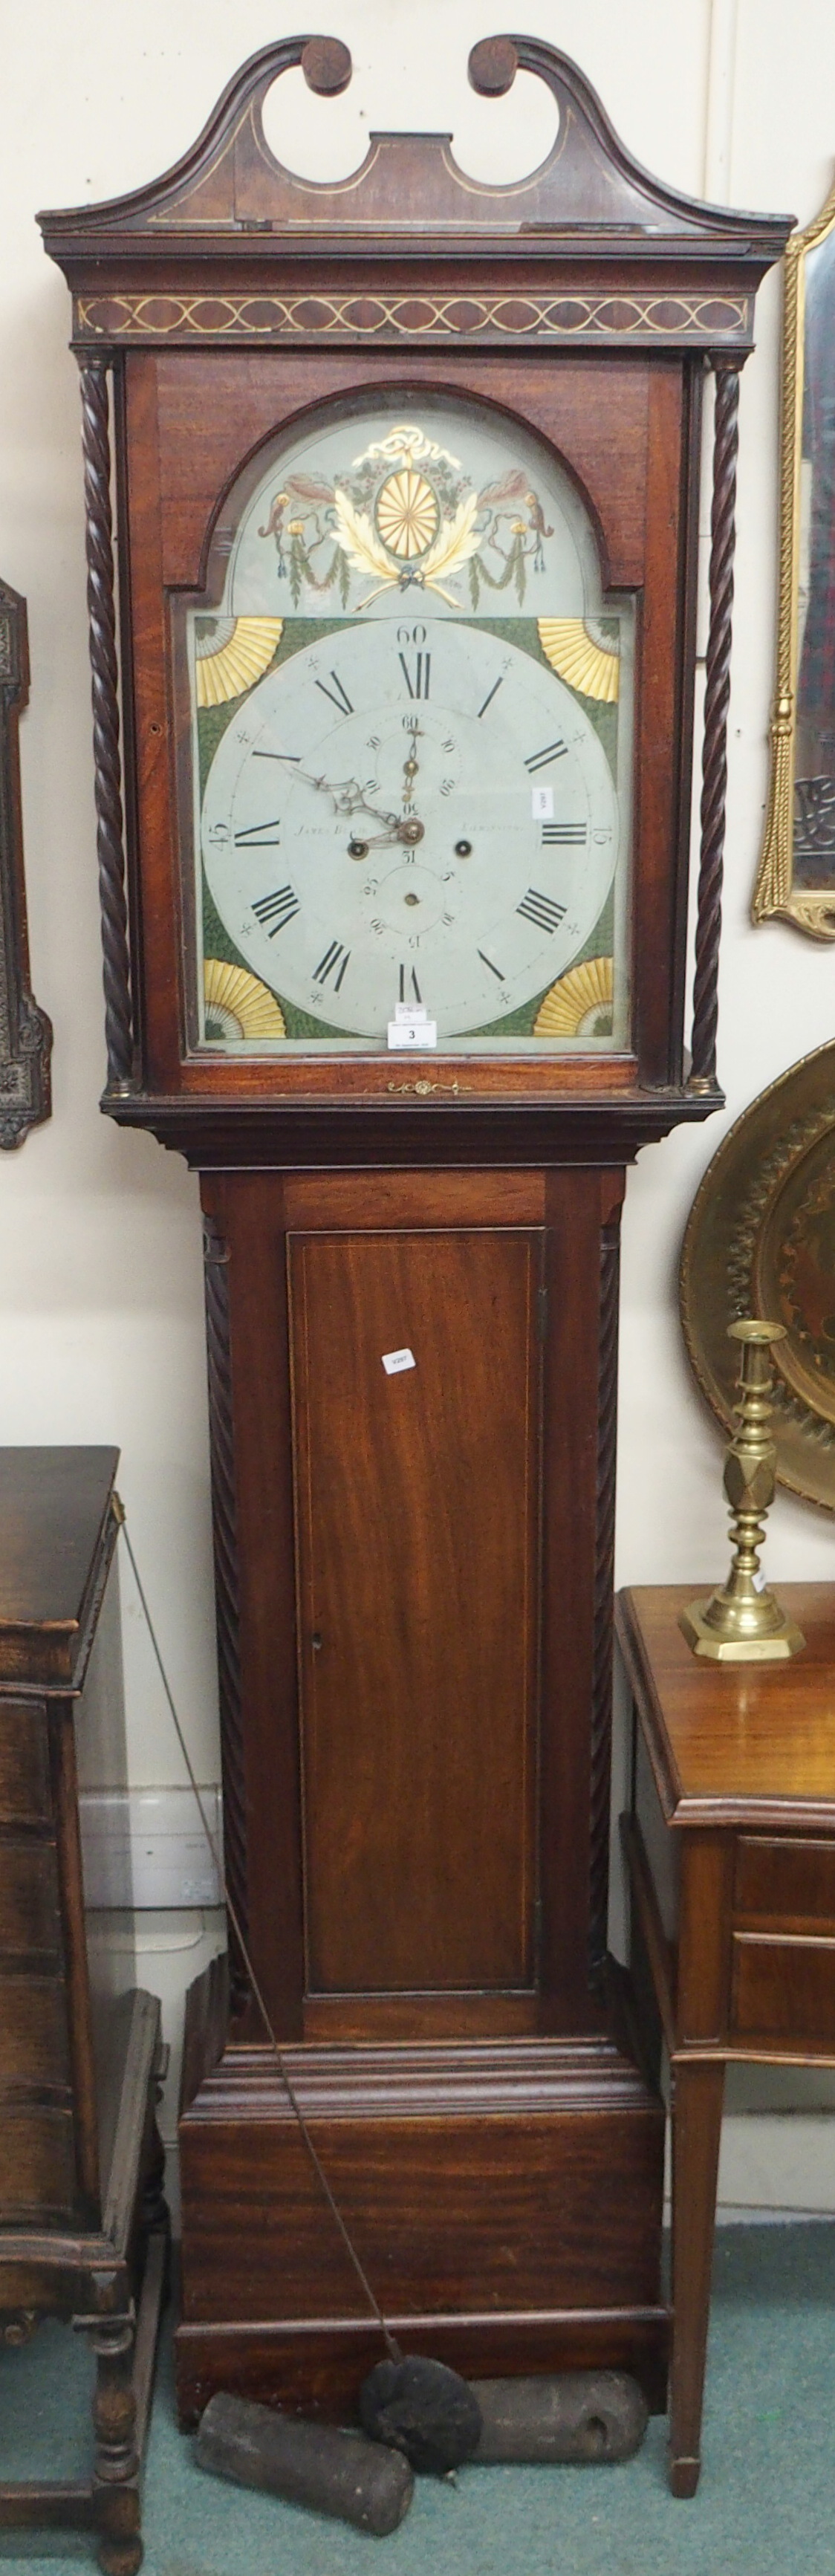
(783, 1991)
(29, 1916)
(25, 1797)
(34, 2034)
(37, 2163)
(775, 1877)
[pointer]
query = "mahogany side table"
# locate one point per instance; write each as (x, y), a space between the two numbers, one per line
(83, 2225)
(730, 1848)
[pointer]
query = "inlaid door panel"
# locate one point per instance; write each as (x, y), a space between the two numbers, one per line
(417, 1508)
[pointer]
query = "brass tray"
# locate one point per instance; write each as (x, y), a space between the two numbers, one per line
(760, 1240)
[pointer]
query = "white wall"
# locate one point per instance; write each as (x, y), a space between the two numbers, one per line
(100, 1287)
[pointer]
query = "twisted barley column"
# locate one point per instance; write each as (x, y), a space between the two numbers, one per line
(601, 1704)
(714, 751)
(108, 773)
(227, 1610)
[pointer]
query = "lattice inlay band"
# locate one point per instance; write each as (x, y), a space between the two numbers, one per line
(512, 317)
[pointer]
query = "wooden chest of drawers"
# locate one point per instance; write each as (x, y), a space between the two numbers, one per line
(731, 1851)
(83, 2226)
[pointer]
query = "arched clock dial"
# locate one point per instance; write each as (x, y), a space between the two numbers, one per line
(411, 810)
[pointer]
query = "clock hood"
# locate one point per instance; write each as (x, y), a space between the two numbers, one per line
(155, 266)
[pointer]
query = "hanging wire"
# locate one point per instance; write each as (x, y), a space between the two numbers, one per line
(393, 2348)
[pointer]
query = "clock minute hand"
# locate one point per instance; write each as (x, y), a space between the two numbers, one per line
(411, 765)
(346, 792)
(352, 801)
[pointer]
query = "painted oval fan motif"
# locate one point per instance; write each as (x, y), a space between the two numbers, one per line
(407, 514)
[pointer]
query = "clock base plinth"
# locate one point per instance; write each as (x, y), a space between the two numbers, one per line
(505, 2197)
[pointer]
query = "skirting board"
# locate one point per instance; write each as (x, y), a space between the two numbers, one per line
(781, 2162)
(167, 1951)
(145, 1849)
(773, 2165)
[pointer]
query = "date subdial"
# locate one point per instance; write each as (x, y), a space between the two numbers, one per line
(408, 900)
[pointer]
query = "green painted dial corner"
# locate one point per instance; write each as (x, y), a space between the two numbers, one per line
(212, 722)
(217, 943)
(521, 1023)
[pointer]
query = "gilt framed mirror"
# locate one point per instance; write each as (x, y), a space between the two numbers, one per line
(796, 880)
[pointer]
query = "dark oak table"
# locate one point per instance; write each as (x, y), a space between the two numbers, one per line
(83, 2223)
(730, 1846)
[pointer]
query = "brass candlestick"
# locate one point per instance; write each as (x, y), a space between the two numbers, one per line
(744, 1624)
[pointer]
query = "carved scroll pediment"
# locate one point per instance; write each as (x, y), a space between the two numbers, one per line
(231, 182)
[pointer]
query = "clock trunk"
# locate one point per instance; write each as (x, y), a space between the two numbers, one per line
(416, 1790)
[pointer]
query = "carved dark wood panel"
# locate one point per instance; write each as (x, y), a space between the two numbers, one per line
(25, 1031)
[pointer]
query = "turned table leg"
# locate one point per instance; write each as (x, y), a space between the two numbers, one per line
(116, 2470)
(697, 2092)
(154, 2214)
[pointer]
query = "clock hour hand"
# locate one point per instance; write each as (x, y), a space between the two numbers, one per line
(376, 841)
(406, 833)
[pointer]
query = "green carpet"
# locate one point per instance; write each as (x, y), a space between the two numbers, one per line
(765, 2506)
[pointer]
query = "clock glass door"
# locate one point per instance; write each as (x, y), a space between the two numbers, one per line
(407, 780)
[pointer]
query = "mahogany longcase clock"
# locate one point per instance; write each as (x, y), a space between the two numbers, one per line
(394, 937)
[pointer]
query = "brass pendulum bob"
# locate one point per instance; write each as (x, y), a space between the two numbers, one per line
(744, 1624)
